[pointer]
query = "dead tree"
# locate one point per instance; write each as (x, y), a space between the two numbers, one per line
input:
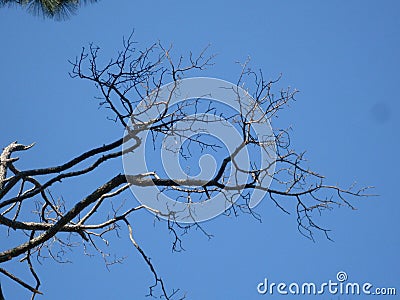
(123, 83)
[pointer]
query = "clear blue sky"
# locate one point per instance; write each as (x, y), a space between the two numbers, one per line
(341, 55)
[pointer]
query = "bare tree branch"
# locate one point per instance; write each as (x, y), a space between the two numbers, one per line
(130, 90)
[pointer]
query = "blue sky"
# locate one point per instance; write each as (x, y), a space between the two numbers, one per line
(340, 55)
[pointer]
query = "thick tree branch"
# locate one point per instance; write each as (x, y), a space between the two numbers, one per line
(53, 230)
